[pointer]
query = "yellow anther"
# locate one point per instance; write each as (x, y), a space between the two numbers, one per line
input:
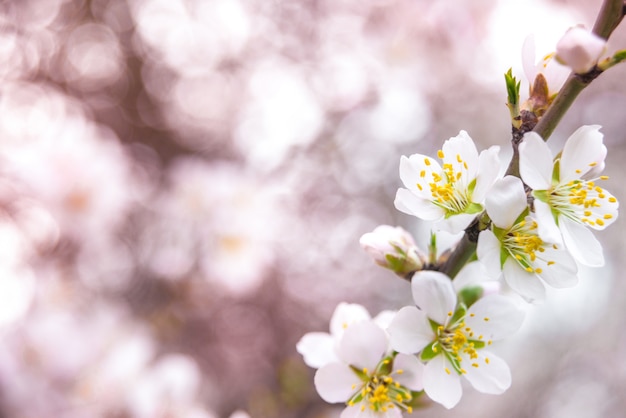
(486, 318)
(426, 161)
(423, 173)
(365, 370)
(593, 164)
(600, 222)
(474, 364)
(604, 177)
(612, 199)
(487, 360)
(419, 186)
(608, 216)
(578, 171)
(529, 269)
(440, 154)
(399, 371)
(447, 370)
(550, 263)
(472, 315)
(538, 271)
(587, 213)
(450, 313)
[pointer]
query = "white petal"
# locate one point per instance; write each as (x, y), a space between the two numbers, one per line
(418, 169)
(410, 331)
(346, 314)
(547, 229)
(412, 376)
(363, 345)
(488, 251)
(506, 201)
(582, 151)
(535, 162)
(581, 243)
(434, 294)
(317, 349)
(494, 317)
(471, 274)
(410, 204)
(488, 172)
(526, 284)
(562, 272)
(602, 215)
(493, 377)
(455, 223)
(528, 58)
(336, 382)
(441, 386)
(384, 318)
(463, 147)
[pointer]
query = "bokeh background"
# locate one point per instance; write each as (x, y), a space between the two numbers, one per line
(183, 184)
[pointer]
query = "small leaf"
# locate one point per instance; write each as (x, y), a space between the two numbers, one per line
(469, 295)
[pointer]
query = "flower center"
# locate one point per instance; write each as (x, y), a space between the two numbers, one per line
(458, 340)
(445, 190)
(523, 243)
(582, 201)
(380, 392)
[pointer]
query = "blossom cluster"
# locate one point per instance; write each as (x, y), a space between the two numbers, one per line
(529, 227)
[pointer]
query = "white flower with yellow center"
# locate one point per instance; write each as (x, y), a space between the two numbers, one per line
(370, 382)
(320, 348)
(453, 338)
(514, 247)
(452, 192)
(568, 192)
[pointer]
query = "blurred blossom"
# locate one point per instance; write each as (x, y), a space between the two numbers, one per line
(281, 113)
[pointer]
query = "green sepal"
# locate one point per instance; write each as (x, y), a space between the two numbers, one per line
(504, 254)
(556, 172)
(385, 366)
(473, 208)
(434, 326)
(395, 264)
(471, 187)
(359, 372)
(478, 344)
(542, 195)
(429, 353)
(469, 295)
(459, 314)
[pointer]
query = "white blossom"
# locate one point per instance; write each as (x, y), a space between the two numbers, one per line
(514, 246)
(580, 49)
(451, 193)
(453, 339)
(568, 198)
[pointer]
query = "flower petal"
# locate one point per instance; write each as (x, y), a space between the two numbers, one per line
(494, 317)
(346, 314)
(461, 147)
(412, 375)
(434, 294)
(455, 223)
(317, 349)
(472, 274)
(419, 169)
(535, 162)
(363, 345)
(557, 268)
(581, 243)
(526, 284)
(336, 382)
(410, 331)
(547, 229)
(488, 373)
(505, 202)
(411, 204)
(488, 252)
(384, 318)
(488, 172)
(357, 411)
(583, 150)
(441, 383)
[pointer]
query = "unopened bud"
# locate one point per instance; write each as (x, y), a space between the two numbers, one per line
(580, 49)
(393, 248)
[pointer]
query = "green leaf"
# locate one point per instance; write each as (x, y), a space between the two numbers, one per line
(512, 88)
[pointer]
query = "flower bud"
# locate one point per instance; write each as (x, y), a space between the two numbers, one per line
(393, 248)
(580, 49)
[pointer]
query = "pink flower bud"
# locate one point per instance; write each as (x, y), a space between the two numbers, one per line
(580, 49)
(393, 248)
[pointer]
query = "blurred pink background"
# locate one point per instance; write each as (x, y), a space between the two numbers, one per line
(183, 184)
